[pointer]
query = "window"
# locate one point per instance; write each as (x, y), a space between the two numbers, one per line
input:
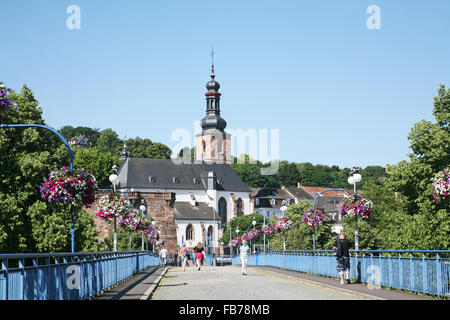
(210, 236)
(223, 210)
(257, 201)
(240, 207)
(203, 145)
(190, 232)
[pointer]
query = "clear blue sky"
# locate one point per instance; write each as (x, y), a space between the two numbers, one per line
(339, 93)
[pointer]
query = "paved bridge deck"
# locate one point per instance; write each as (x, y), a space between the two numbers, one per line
(227, 283)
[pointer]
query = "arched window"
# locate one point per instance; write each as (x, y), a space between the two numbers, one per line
(190, 232)
(203, 145)
(240, 207)
(223, 210)
(210, 235)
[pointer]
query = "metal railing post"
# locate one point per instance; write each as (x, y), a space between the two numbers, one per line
(438, 276)
(424, 274)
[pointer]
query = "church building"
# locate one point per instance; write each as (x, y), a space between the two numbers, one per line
(190, 202)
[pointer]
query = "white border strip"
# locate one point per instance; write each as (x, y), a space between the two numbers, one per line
(153, 286)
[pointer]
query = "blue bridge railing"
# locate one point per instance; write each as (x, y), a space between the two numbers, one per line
(425, 271)
(67, 276)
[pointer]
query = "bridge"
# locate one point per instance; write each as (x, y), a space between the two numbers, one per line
(291, 275)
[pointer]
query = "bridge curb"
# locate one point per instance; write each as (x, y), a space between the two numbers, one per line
(319, 284)
(149, 292)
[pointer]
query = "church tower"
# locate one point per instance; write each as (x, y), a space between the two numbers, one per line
(213, 144)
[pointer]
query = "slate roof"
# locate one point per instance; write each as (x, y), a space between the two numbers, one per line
(166, 174)
(328, 204)
(77, 139)
(186, 211)
(265, 195)
(299, 193)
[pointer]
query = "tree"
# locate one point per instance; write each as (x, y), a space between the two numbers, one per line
(27, 223)
(69, 132)
(96, 162)
(159, 151)
(139, 148)
(108, 141)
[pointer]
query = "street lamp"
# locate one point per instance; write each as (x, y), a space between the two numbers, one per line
(143, 208)
(114, 179)
(153, 225)
(283, 209)
(353, 179)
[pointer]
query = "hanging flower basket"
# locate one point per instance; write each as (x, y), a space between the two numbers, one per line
(357, 205)
(253, 233)
(283, 224)
(441, 186)
(314, 217)
(268, 229)
(134, 221)
(74, 186)
(5, 105)
(236, 241)
(114, 204)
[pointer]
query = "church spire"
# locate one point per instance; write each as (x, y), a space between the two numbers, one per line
(212, 63)
(213, 120)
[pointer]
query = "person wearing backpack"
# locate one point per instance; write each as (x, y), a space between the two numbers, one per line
(183, 254)
(341, 249)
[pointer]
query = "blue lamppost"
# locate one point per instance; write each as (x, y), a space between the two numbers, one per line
(114, 179)
(264, 224)
(353, 179)
(284, 209)
(314, 208)
(71, 166)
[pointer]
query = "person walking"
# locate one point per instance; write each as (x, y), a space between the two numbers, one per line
(183, 254)
(243, 249)
(163, 256)
(341, 247)
(199, 253)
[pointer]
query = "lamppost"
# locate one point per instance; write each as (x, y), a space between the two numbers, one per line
(143, 208)
(114, 179)
(264, 224)
(153, 225)
(353, 179)
(71, 166)
(314, 208)
(284, 209)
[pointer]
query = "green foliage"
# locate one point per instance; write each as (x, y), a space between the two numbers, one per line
(123, 240)
(139, 148)
(27, 223)
(290, 174)
(300, 237)
(96, 162)
(108, 141)
(69, 132)
(159, 151)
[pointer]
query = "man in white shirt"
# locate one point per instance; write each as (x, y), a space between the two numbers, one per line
(163, 256)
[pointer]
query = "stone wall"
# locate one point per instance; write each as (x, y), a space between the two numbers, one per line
(160, 206)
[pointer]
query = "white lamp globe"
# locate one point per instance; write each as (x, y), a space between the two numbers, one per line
(237, 230)
(284, 209)
(142, 208)
(357, 177)
(350, 180)
(254, 222)
(114, 179)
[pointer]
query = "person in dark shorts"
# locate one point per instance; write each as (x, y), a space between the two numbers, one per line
(341, 247)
